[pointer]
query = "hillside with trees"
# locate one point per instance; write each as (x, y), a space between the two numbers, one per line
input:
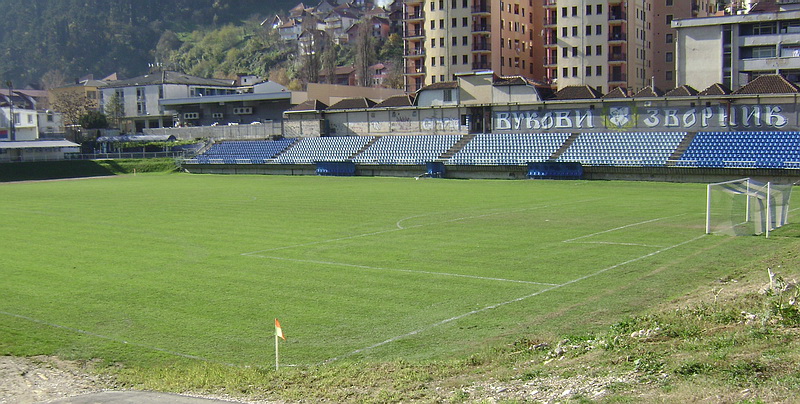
(56, 41)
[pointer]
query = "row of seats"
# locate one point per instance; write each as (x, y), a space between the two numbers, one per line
(707, 149)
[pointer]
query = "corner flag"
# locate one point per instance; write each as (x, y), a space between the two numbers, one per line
(278, 330)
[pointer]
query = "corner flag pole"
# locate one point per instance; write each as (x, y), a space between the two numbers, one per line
(278, 334)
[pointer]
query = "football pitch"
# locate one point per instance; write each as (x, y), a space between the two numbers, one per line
(196, 267)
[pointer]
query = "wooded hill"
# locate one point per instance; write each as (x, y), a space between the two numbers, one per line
(60, 40)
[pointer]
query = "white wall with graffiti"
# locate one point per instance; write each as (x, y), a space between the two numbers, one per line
(400, 121)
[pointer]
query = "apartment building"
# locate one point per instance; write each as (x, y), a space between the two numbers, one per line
(445, 37)
(602, 44)
(735, 49)
(663, 43)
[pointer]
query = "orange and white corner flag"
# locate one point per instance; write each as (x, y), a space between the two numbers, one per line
(278, 330)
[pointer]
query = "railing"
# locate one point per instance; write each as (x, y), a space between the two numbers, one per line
(550, 60)
(416, 70)
(124, 155)
(617, 57)
(413, 33)
(482, 46)
(481, 65)
(480, 28)
(551, 20)
(618, 36)
(414, 16)
(616, 78)
(486, 8)
(415, 52)
(617, 17)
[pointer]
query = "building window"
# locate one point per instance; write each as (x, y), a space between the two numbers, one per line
(574, 11)
(455, 60)
(441, 77)
(433, 42)
(433, 6)
(599, 9)
(453, 3)
(669, 38)
(464, 21)
(441, 42)
(433, 24)
(574, 30)
(588, 51)
(564, 72)
(668, 57)
(588, 71)
(588, 30)
(448, 95)
(598, 50)
(598, 29)
(465, 3)
(464, 59)
(441, 61)
(575, 71)
(433, 79)
(574, 51)
(669, 3)
(454, 22)
(758, 52)
(464, 41)
(588, 9)
(454, 40)
(669, 19)
(564, 52)
(433, 61)
(564, 31)
(668, 75)
(441, 23)
(598, 70)
(563, 11)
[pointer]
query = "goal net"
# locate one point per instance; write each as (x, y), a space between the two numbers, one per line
(746, 207)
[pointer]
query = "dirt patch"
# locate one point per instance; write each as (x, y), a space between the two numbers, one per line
(44, 378)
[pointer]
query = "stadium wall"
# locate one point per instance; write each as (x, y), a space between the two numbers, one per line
(661, 174)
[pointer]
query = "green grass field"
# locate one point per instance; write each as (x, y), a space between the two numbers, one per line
(154, 269)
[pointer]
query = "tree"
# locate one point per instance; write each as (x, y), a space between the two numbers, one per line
(72, 105)
(93, 120)
(391, 54)
(365, 54)
(115, 109)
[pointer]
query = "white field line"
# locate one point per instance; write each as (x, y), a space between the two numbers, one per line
(403, 270)
(620, 228)
(105, 337)
(400, 227)
(613, 243)
(519, 299)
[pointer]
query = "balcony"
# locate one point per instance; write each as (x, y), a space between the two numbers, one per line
(414, 53)
(481, 66)
(480, 28)
(550, 61)
(617, 36)
(550, 20)
(413, 1)
(482, 47)
(617, 78)
(414, 16)
(413, 33)
(482, 9)
(617, 16)
(618, 57)
(415, 71)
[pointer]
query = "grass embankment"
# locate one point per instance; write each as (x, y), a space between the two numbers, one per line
(734, 340)
(47, 170)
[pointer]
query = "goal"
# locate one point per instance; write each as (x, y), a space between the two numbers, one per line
(746, 207)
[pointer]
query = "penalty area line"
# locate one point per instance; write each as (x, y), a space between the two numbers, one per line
(485, 278)
(623, 227)
(105, 337)
(519, 299)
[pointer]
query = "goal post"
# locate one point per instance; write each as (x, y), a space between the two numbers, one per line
(746, 207)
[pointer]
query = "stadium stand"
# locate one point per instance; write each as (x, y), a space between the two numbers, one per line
(623, 148)
(769, 149)
(406, 149)
(509, 149)
(312, 150)
(243, 151)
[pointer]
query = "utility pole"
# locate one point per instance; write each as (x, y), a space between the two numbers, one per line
(11, 129)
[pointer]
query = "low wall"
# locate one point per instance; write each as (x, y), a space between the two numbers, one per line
(233, 132)
(660, 174)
